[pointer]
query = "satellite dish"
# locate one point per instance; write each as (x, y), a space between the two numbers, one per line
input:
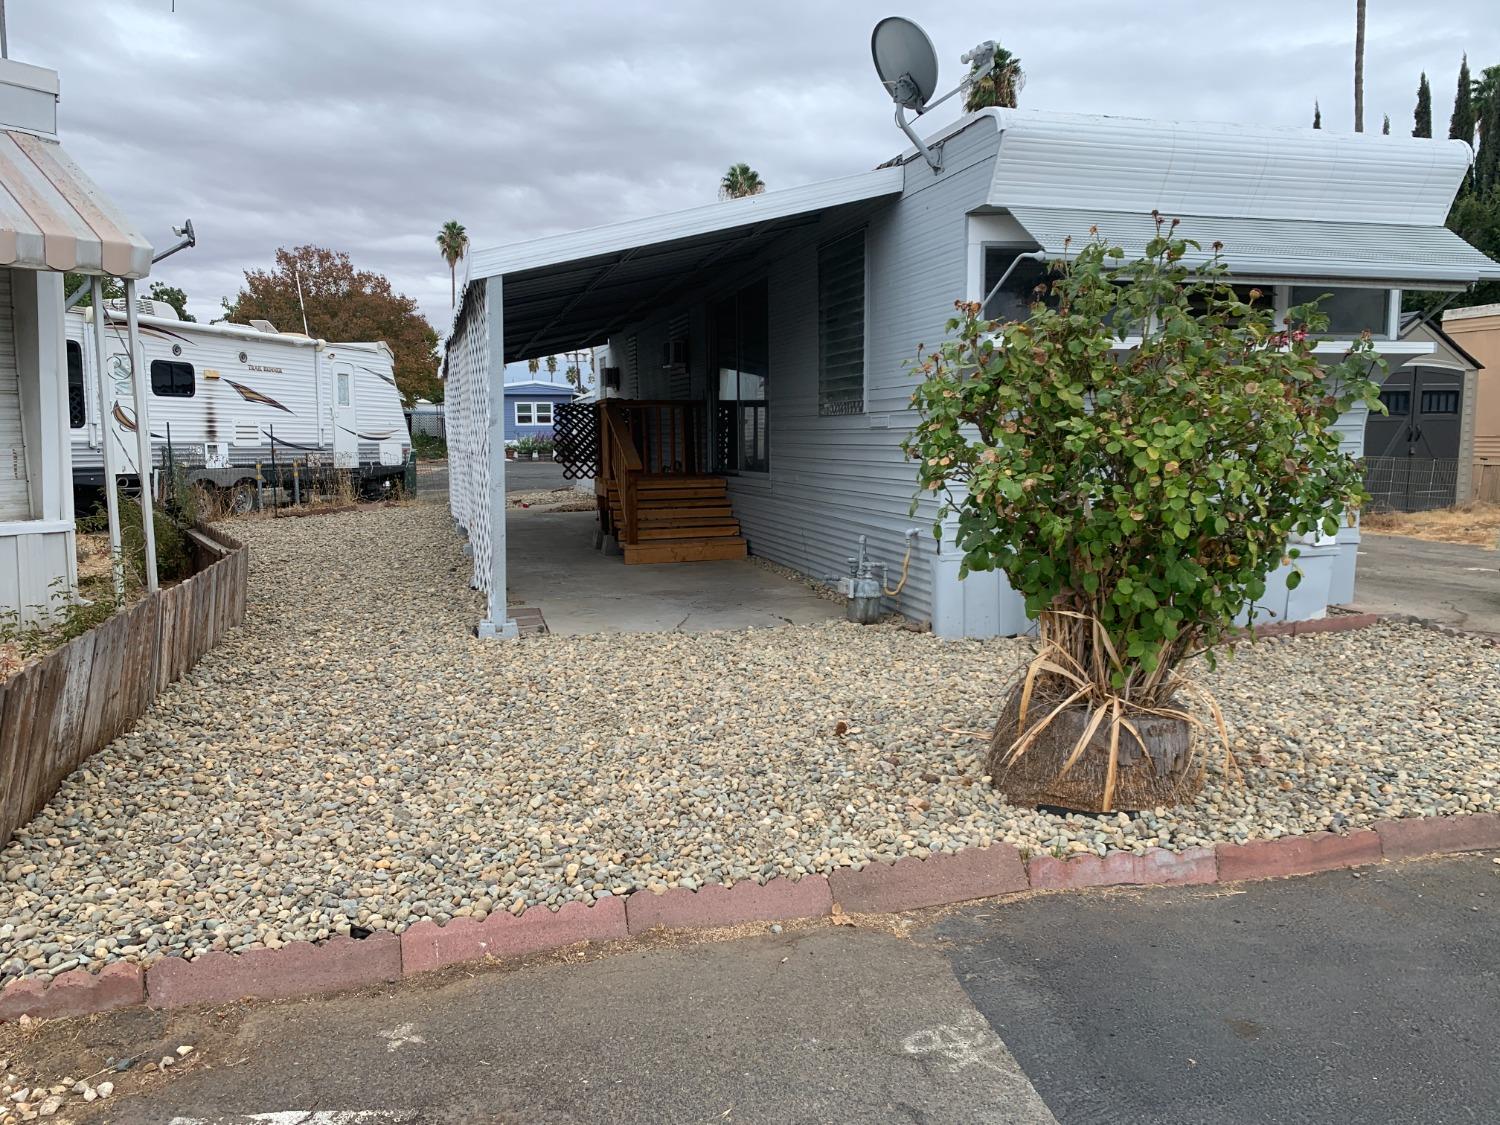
(907, 64)
(906, 61)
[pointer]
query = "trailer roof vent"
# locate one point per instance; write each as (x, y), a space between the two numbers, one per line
(264, 326)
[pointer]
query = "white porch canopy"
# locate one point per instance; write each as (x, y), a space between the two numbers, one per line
(1281, 249)
(574, 290)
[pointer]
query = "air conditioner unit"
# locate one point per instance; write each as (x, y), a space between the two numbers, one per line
(611, 376)
(674, 353)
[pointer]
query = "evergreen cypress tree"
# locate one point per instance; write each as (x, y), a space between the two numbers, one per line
(1461, 126)
(1317, 116)
(1385, 126)
(1487, 161)
(1422, 116)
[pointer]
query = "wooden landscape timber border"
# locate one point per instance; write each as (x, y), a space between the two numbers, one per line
(74, 701)
(998, 873)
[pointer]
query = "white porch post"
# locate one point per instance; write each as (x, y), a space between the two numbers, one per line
(106, 436)
(496, 624)
(143, 457)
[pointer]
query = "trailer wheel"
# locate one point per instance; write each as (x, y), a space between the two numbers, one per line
(239, 498)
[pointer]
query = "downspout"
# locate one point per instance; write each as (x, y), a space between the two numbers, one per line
(143, 456)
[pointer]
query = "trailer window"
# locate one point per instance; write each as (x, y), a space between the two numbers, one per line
(523, 414)
(343, 388)
(172, 379)
(77, 414)
(544, 414)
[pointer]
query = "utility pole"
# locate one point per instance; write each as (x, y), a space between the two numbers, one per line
(1359, 66)
(4, 39)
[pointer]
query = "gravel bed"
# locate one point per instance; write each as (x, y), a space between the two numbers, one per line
(353, 756)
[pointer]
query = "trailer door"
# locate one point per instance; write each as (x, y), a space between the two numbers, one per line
(345, 420)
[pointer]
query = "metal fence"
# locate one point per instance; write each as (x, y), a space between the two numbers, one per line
(1411, 484)
(430, 423)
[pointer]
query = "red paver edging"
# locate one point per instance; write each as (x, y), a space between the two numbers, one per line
(297, 969)
(1408, 837)
(426, 945)
(1297, 855)
(77, 992)
(1157, 867)
(778, 900)
(884, 888)
(302, 969)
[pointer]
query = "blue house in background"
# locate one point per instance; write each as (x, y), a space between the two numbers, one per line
(531, 397)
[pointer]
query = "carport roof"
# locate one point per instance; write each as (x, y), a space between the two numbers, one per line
(573, 290)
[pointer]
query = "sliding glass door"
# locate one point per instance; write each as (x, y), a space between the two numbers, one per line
(740, 351)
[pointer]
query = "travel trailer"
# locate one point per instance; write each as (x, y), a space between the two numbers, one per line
(222, 394)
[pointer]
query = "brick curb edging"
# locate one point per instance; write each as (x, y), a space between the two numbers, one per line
(305, 969)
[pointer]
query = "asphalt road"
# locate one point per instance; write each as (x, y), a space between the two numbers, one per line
(1326, 999)
(1444, 582)
(520, 476)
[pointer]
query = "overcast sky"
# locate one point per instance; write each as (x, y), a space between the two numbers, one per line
(363, 124)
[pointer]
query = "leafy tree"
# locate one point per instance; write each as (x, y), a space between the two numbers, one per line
(1461, 124)
(1136, 502)
(114, 289)
(1317, 116)
(343, 304)
(452, 241)
(1422, 115)
(741, 180)
(161, 291)
(1000, 87)
(1476, 219)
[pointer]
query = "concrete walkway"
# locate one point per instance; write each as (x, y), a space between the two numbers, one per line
(554, 566)
(1347, 996)
(1444, 582)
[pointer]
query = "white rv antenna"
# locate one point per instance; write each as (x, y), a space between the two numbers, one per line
(297, 277)
(907, 64)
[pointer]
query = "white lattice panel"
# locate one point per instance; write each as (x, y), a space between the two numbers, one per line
(466, 398)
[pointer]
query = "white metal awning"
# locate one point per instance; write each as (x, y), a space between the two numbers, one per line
(1273, 249)
(574, 290)
(53, 217)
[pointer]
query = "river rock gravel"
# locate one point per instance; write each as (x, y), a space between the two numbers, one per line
(353, 756)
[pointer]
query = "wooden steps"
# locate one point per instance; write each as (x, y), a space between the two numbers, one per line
(680, 518)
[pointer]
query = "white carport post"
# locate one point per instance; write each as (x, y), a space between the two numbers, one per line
(496, 623)
(106, 445)
(143, 459)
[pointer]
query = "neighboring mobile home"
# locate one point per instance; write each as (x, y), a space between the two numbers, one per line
(1477, 331)
(52, 219)
(759, 347)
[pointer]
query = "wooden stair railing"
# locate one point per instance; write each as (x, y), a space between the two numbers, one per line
(652, 492)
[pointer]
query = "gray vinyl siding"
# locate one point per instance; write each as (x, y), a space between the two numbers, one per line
(834, 478)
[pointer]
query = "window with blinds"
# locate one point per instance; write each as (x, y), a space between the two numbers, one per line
(841, 325)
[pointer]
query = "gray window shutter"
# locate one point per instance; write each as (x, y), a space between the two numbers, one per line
(841, 325)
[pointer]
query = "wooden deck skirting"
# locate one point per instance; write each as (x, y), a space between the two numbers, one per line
(59, 711)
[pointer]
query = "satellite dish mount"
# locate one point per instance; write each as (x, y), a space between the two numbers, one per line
(907, 64)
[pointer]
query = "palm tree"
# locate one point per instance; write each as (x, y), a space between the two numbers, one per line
(741, 180)
(1001, 86)
(551, 365)
(533, 365)
(452, 241)
(1359, 66)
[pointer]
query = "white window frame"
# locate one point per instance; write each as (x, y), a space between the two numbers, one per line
(530, 413)
(537, 410)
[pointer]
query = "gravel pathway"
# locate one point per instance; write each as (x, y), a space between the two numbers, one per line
(353, 756)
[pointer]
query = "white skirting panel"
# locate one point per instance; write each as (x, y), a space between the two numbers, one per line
(38, 569)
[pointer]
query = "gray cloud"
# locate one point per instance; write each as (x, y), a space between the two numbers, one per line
(363, 126)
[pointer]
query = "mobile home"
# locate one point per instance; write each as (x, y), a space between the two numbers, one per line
(223, 395)
(785, 323)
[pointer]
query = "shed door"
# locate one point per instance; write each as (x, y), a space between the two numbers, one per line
(15, 497)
